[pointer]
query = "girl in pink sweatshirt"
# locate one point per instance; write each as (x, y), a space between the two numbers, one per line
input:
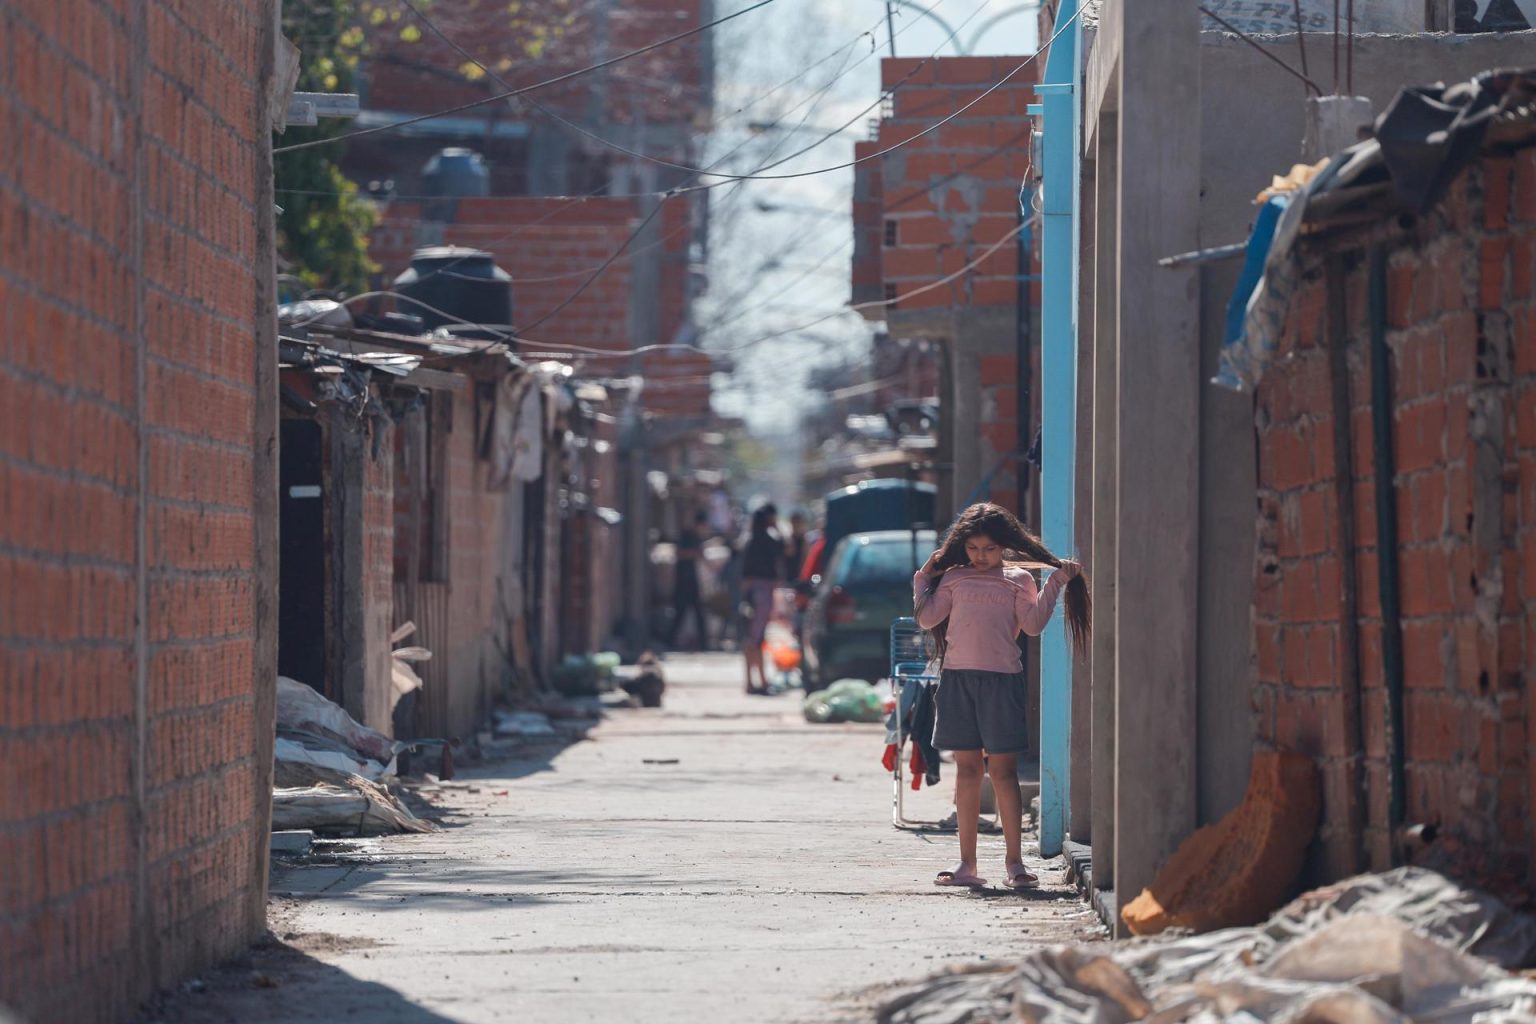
(975, 604)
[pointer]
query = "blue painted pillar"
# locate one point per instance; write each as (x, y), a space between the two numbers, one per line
(1058, 408)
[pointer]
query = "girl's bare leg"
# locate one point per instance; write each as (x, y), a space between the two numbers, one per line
(968, 774)
(1004, 769)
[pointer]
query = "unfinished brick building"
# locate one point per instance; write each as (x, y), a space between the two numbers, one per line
(137, 516)
(922, 215)
(1393, 624)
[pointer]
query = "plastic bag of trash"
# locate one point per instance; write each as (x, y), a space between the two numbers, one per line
(302, 708)
(847, 700)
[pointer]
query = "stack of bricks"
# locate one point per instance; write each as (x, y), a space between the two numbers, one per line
(135, 691)
(1461, 328)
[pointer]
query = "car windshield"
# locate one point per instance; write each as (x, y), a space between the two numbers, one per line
(882, 561)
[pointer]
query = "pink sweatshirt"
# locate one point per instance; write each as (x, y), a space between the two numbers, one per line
(986, 612)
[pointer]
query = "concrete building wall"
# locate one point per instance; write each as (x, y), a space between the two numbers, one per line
(1461, 328)
(137, 414)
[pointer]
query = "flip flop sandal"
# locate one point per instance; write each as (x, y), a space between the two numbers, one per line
(964, 879)
(1020, 877)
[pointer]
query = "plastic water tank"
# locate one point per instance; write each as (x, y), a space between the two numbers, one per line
(465, 283)
(453, 174)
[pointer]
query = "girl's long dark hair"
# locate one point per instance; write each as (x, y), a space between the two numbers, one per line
(1004, 529)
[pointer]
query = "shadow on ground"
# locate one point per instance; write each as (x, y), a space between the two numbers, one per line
(283, 980)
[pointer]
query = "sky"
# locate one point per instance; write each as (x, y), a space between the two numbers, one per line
(787, 266)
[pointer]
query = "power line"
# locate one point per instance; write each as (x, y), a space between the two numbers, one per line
(600, 191)
(664, 196)
(603, 266)
(668, 194)
(528, 88)
(499, 331)
(743, 346)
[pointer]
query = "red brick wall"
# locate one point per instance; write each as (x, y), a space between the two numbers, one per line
(132, 181)
(940, 201)
(551, 246)
(1462, 331)
(954, 192)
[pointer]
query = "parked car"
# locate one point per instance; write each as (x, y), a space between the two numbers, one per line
(867, 585)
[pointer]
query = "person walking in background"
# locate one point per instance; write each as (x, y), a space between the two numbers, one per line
(795, 550)
(687, 594)
(975, 605)
(762, 572)
(798, 543)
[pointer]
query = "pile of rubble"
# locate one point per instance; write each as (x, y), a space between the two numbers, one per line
(329, 770)
(1405, 945)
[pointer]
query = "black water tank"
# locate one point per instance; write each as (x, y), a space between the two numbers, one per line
(465, 283)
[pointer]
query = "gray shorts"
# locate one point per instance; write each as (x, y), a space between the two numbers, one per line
(982, 711)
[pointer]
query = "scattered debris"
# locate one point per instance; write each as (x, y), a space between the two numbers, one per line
(847, 700)
(1405, 945)
(292, 842)
(362, 808)
(292, 751)
(523, 723)
(401, 659)
(1241, 868)
(336, 801)
(648, 684)
(305, 717)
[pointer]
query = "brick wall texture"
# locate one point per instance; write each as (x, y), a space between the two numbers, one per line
(953, 193)
(133, 815)
(1461, 327)
(928, 209)
(551, 247)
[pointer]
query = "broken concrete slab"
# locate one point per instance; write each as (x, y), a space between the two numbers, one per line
(292, 841)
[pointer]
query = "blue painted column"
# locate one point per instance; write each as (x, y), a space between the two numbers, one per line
(1058, 408)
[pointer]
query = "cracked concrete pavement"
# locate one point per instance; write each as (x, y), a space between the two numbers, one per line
(718, 858)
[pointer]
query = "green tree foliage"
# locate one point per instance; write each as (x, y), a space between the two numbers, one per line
(323, 229)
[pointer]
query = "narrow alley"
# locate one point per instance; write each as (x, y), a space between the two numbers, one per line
(716, 859)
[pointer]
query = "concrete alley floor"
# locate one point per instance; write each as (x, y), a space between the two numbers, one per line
(717, 859)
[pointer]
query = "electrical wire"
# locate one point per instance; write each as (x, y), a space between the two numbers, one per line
(627, 55)
(669, 194)
(601, 267)
(814, 100)
(841, 311)
(931, 128)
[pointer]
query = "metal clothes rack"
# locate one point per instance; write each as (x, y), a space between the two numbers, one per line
(909, 665)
